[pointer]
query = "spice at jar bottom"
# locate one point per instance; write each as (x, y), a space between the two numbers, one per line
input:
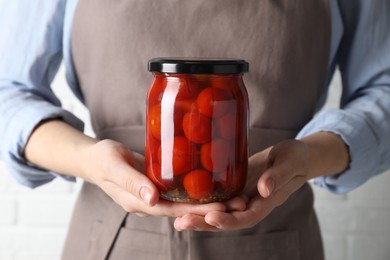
(197, 128)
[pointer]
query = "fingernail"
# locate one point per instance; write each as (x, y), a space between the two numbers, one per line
(145, 194)
(270, 187)
(212, 222)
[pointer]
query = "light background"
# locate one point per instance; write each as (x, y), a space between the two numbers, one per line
(33, 223)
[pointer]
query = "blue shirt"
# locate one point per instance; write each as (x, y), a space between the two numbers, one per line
(35, 38)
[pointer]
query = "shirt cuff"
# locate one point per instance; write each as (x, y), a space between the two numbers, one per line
(361, 141)
(17, 134)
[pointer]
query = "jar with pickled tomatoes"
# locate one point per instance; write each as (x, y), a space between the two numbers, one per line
(197, 128)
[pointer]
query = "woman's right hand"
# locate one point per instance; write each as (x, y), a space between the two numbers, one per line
(119, 173)
(109, 165)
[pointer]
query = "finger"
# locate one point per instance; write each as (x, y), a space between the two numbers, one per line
(277, 176)
(174, 209)
(273, 178)
(141, 214)
(281, 195)
(239, 219)
(136, 183)
(123, 198)
(237, 203)
(193, 222)
(132, 204)
(258, 162)
(257, 209)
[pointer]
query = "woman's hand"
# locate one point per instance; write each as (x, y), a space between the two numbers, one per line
(273, 175)
(119, 173)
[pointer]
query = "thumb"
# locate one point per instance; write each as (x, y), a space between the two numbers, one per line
(141, 187)
(275, 177)
(265, 186)
(136, 183)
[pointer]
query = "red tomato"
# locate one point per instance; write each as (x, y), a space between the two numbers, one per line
(240, 177)
(213, 102)
(198, 184)
(156, 90)
(187, 89)
(216, 155)
(223, 82)
(223, 179)
(197, 127)
(227, 126)
(184, 156)
(185, 105)
(199, 81)
(151, 148)
(153, 172)
(233, 181)
(156, 119)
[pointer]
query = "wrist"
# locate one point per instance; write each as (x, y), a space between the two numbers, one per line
(327, 154)
(57, 146)
(84, 154)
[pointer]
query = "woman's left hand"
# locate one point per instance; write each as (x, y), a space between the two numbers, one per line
(273, 175)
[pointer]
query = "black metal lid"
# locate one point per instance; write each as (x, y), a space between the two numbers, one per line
(198, 65)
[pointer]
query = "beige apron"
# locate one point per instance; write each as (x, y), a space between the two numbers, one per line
(286, 43)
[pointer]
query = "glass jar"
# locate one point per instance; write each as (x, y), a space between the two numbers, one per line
(197, 128)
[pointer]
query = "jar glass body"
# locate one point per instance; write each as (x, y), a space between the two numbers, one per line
(196, 136)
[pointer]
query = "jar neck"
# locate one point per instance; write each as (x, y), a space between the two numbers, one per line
(205, 80)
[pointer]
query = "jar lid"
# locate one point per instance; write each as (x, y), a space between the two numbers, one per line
(198, 65)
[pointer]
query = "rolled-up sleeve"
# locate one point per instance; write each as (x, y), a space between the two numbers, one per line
(30, 55)
(363, 120)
